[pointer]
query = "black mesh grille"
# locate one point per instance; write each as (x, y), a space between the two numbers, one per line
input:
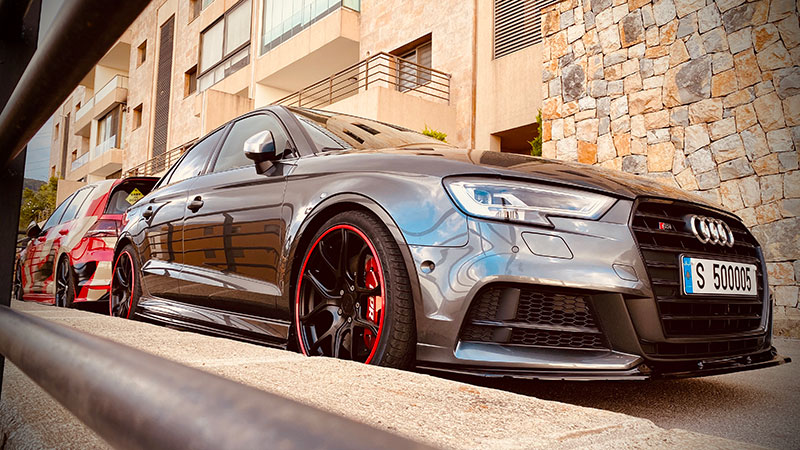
(707, 318)
(533, 316)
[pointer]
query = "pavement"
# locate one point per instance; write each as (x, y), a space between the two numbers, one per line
(760, 407)
(441, 412)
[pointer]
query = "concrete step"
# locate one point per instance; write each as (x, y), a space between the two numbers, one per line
(436, 411)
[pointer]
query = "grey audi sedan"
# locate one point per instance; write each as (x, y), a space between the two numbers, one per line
(344, 237)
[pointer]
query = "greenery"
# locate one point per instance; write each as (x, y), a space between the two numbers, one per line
(38, 205)
(434, 134)
(536, 143)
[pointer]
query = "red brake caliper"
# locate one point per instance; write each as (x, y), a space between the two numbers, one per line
(374, 303)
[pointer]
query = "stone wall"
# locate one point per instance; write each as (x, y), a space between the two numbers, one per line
(699, 94)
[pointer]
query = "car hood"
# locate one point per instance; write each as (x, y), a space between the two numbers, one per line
(454, 161)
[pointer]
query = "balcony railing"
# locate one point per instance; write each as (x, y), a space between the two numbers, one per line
(381, 69)
(104, 146)
(84, 109)
(158, 163)
(119, 81)
(83, 159)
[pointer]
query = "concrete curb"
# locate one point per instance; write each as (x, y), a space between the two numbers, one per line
(433, 410)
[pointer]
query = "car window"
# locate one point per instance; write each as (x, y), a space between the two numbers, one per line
(232, 153)
(56, 216)
(126, 195)
(195, 159)
(75, 205)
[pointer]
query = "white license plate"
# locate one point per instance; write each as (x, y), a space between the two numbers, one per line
(710, 276)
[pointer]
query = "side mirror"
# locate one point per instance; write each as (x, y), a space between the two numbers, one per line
(33, 230)
(260, 148)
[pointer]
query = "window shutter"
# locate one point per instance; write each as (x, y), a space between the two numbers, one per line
(517, 24)
(163, 85)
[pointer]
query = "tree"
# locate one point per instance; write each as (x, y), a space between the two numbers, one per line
(38, 205)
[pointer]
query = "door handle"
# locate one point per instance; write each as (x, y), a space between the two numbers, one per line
(148, 213)
(196, 204)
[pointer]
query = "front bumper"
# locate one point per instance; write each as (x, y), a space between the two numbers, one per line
(640, 372)
(599, 260)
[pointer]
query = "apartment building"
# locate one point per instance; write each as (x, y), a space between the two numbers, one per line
(468, 68)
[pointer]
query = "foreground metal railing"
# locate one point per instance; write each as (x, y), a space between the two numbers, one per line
(136, 400)
(381, 69)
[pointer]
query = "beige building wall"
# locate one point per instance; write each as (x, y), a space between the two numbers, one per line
(387, 25)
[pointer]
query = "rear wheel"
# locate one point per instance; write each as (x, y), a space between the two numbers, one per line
(353, 298)
(125, 285)
(65, 286)
(16, 289)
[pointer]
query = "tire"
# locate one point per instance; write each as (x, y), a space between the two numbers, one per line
(126, 284)
(16, 289)
(337, 311)
(65, 284)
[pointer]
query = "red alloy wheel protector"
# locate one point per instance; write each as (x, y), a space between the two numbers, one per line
(380, 279)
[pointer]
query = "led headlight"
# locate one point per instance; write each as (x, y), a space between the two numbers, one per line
(523, 202)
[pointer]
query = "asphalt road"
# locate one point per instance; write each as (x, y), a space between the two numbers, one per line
(761, 406)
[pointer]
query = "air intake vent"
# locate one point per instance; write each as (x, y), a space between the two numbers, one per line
(534, 316)
(517, 24)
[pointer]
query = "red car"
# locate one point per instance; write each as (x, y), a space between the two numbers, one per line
(68, 260)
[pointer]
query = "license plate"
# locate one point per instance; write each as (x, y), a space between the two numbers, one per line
(710, 276)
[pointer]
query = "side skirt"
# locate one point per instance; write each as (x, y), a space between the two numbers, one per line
(239, 326)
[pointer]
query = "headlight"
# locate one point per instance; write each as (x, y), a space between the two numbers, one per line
(523, 202)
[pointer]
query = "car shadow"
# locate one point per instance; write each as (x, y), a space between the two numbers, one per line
(659, 400)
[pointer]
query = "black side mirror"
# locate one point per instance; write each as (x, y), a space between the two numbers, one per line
(33, 230)
(260, 148)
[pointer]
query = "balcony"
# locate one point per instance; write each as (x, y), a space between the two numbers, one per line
(157, 165)
(83, 118)
(105, 158)
(113, 93)
(386, 88)
(299, 51)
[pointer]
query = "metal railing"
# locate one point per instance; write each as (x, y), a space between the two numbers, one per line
(135, 400)
(158, 163)
(81, 160)
(381, 69)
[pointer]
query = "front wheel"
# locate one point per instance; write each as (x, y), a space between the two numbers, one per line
(65, 286)
(125, 285)
(353, 298)
(16, 289)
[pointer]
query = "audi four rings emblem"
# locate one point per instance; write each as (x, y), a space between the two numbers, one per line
(710, 230)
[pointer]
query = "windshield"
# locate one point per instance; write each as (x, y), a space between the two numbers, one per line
(334, 131)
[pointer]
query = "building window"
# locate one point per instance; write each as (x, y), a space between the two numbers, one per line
(194, 9)
(137, 117)
(190, 82)
(225, 45)
(141, 53)
(206, 3)
(517, 24)
(283, 19)
(110, 129)
(414, 69)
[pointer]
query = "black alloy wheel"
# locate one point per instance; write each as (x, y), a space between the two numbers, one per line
(353, 297)
(65, 287)
(16, 287)
(125, 287)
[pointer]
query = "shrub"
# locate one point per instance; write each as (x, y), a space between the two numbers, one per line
(536, 143)
(434, 134)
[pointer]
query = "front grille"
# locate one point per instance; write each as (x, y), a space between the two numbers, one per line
(708, 318)
(533, 316)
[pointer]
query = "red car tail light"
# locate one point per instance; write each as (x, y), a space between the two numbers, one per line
(104, 228)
